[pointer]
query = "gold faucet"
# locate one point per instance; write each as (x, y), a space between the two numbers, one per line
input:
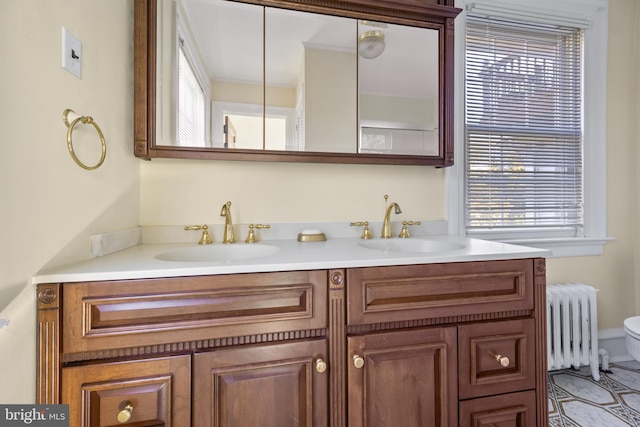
(228, 225)
(386, 224)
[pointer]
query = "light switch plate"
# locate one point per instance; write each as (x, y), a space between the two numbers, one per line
(71, 53)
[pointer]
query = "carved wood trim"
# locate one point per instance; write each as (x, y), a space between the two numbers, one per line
(361, 329)
(399, 11)
(447, 58)
(200, 345)
(48, 344)
(144, 75)
(540, 301)
(337, 350)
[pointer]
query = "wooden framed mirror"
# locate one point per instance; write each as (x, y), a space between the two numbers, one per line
(295, 80)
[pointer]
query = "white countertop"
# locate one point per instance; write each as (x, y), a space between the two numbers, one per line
(140, 261)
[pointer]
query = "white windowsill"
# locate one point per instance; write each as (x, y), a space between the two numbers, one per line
(565, 246)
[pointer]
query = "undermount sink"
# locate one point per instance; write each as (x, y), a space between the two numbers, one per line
(212, 253)
(411, 245)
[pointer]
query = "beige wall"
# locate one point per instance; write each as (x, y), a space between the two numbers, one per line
(50, 206)
(330, 101)
(193, 191)
(414, 111)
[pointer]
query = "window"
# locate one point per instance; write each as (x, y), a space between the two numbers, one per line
(527, 155)
(191, 112)
(192, 127)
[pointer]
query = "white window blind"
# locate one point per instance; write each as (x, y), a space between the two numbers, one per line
(523, 125)
(191, 105)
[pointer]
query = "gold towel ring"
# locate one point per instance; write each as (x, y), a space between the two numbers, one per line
(87, 120)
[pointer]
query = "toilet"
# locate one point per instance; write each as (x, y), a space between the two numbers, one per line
(632, 336)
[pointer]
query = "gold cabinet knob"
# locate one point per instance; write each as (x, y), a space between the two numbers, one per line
(503, 360)
(321, 365)
(125, 414)
(358, 361)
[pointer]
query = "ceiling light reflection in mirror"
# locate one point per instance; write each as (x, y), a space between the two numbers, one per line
(398, 89)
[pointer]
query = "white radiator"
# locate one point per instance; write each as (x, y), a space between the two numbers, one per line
(572, 327)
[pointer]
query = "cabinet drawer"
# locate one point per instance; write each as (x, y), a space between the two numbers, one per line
(401, 293)
(154, 392)
(133, 313)
(496, 357)
(512, 410)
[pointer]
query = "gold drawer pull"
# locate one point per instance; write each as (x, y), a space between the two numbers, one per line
(358, 361)
(321, 365)
(125, 414)
(503, 360)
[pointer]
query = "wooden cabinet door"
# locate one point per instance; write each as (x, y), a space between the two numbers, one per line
(403, 378)
(149, 392)
(272, 385)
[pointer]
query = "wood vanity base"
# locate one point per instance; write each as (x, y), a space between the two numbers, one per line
(428, 345)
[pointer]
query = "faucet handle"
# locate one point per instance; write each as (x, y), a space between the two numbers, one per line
(251, 238)
(366, 233)
(206, 237)
(404, 233)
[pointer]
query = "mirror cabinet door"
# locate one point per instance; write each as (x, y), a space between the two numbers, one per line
(210, 88)
(398, 89)
(311, 81)
(235, 38)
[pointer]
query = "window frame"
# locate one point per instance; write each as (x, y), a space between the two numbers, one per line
(595, 14)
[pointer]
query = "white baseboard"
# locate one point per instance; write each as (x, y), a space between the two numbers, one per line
(613, 340)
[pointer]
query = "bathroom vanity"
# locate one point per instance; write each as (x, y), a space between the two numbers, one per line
(317, 334)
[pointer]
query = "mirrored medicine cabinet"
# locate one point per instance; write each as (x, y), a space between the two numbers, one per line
(295, 80)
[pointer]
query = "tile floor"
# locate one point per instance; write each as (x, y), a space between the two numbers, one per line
(576, 400)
